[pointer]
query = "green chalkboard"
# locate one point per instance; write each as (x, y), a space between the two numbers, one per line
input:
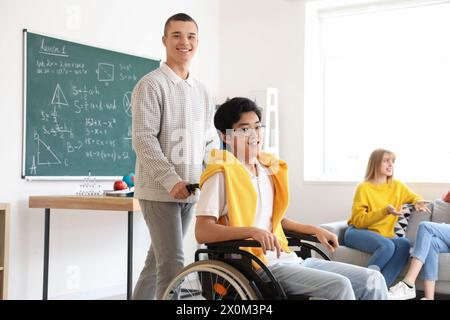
(77, 115)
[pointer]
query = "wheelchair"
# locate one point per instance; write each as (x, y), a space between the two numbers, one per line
(228, 273)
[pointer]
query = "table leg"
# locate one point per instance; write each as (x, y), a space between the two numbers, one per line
(46, 253)
(130, 256)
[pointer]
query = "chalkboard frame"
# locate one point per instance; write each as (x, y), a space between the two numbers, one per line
(24, 107)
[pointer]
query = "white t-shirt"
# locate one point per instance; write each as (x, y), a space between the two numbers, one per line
(213, 202)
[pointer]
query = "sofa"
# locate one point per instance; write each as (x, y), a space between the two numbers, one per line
(440, 213)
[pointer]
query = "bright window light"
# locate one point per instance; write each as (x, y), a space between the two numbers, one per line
(377, 75)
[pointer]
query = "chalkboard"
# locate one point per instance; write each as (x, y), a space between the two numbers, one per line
(77, 110)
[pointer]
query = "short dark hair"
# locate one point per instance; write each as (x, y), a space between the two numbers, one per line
(179, 17)
(230, 112)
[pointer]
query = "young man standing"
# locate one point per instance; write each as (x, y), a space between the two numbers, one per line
(172, 132)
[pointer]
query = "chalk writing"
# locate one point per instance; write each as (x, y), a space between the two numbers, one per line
(78, 108)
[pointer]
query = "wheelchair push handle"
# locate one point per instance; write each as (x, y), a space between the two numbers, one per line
(192, 187)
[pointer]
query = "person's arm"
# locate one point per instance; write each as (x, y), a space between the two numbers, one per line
(408, 195)
(146, 122)
(207, 230)
(411, 197)
(328, 239)
(211, 205)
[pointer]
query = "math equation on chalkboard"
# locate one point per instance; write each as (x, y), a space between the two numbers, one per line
(77, 108)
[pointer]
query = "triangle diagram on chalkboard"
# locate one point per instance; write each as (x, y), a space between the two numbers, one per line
(45, 155)
(58, 97)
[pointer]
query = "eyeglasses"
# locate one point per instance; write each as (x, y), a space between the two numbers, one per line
(247, 132)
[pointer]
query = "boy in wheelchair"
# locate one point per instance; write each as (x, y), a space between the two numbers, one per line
(244, 194)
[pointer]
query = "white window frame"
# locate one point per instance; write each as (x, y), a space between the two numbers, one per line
(314, 154)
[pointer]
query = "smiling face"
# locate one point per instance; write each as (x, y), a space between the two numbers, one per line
(387, 165)
(181, 42)
(246, 138)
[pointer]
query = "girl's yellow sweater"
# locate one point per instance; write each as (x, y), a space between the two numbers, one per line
(370, 202)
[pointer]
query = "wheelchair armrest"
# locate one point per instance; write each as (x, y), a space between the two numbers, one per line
(300, 236)
(294, 239)
(233, 244)
(297, 239)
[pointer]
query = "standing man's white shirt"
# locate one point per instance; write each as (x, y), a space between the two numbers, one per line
(213, 202)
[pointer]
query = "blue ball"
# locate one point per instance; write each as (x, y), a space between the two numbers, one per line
(129, 180)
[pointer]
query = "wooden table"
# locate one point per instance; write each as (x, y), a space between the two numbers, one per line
(86, 203)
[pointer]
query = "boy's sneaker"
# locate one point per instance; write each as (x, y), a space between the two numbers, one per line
(401, 291)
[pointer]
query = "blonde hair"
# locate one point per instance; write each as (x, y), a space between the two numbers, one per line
(374, 164)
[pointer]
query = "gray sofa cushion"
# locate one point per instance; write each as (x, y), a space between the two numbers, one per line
(338, 228)
(441, 212)
(402, 222)
(444, 267)
(415, 218)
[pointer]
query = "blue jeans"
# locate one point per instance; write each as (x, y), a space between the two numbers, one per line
(329, 280)
(389, 255)
(432, 239)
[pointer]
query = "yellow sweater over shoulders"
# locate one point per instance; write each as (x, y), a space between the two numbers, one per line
(242, 198)
(370, 202)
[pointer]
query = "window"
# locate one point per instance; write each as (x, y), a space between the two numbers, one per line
(377, 74)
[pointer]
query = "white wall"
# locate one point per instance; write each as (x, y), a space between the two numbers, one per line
(262, 45)
(91, 243)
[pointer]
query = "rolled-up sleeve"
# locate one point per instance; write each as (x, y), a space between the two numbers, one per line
(212, 200)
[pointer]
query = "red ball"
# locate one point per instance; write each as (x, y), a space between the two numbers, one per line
(120, 185)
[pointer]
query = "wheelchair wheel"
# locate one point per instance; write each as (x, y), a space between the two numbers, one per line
(210, 280)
